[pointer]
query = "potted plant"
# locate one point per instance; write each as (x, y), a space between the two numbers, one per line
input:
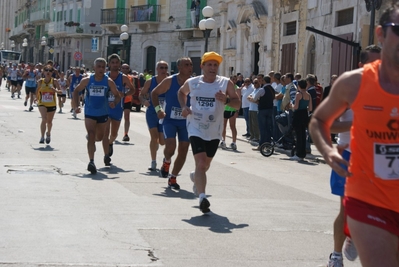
(79, 30)
(76, 24)
(92, 24)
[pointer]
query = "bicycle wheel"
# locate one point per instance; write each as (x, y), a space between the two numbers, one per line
(266, 149)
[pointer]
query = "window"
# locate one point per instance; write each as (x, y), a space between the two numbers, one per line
(290, 28)
(345, 17)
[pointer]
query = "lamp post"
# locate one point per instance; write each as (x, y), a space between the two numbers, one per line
(43, 44)
(2, 46)
(12, 45)
(207, 24)
(124, 36)
(25, 46)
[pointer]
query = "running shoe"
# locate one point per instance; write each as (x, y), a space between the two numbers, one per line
(204, 205)
(60, 110)
(92, 168)
(19, 96)
(48, 139)
(30, 108)
(41, 140)
(335, 261)
(233, 146)
(12, 96)
(153, 166)
(350, 250)
(223, 145)
(126, 138)
(111, 150)
(71, 110)
(296, 158)
(74, 114)
(172, 183)
(165, 169)
(25, 103)
(107, 160)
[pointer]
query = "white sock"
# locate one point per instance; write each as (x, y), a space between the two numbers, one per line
(201, 197)
(337, 254)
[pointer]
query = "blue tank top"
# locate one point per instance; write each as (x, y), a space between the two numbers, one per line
(161, 97)
(96, 100)
(172, 106)
(31, 80)
(119, 86)
(75, 81)
(303, 104)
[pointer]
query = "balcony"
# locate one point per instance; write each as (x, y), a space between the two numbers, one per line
(40, 17)
(145, 14)
(114, 16)
(59, 29)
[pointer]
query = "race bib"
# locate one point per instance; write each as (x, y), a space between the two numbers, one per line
(386, 161)
(206, 103)
(96, 91)
(47, 97)
(175, 113)
(111, 97)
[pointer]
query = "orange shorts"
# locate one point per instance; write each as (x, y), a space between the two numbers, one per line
(370, 214)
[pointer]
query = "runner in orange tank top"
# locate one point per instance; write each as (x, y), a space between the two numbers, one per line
(372, 186)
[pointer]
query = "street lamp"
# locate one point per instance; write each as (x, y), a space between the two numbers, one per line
(124, 36)
(2, 46)
(12, 45)
(207, 24)
(43, 44)
(25, 46)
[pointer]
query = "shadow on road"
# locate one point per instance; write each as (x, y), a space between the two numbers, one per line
(184, 194)
(216, 223)
(97, 177)
(45, 148)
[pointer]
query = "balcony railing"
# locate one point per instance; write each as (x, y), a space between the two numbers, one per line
(115, 16)
(17, 30)
(145, 13)
(40, 16)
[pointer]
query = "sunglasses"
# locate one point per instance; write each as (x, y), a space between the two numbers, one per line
(163, 68)
(395, 27)
(51, 70)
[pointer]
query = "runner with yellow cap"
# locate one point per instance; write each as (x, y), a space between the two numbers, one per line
(209, 93)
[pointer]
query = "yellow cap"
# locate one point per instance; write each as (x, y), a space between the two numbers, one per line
(211, 56)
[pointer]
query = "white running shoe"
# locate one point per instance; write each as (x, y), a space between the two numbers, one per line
(350, 250)
(153, 166)
(335, 261)
(74, 114)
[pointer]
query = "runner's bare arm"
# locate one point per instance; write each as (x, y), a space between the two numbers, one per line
(127, 81)
(75, 95)
(234, 99)
(160, 89)
(182, 96)
(144, 93)
(341, 97)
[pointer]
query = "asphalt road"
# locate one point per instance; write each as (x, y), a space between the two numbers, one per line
(266, 211)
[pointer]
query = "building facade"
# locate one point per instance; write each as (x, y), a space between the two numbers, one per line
(322, 37)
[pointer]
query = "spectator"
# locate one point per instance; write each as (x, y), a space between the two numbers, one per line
(246, 90)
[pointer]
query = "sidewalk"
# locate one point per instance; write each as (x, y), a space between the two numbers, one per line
(240, 124)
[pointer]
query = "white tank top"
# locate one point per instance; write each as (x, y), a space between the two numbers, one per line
(206, 120)
(345, 137)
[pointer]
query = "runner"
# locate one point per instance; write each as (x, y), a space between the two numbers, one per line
(208, 94)
(342, 127)
(173, 122)
(73, 81)
(96, 107)
(47, 103)
(154, 127)
(115, 113)
(63, 85)
(31, 78)
(127, 104)
(372, 185)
